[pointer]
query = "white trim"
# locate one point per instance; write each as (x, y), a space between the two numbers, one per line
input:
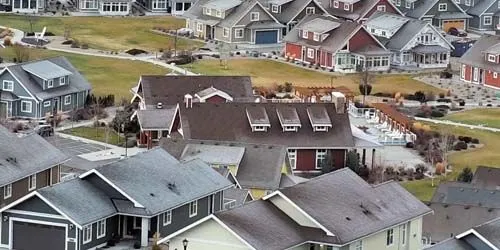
(46, 104)
(37, 214)
(30, 110)
(381, 8)
(66, 98)
(391, 234)
(194, 204)
(89, 226)
(299, 209)
(6, 196)
(11, 229)
(310, 53)
(492, 56)
(445, 7)
(313, 10)
(8, 89)
(31, 178)
(236, 33)
(98, 224)
(50, 83)
(93, 171)
(168, 222)
(473, 231)
(263, 8)
(316, 157)
(218, 92)
(224, 32)
(63, 82)
(20, 83)
(489, 18)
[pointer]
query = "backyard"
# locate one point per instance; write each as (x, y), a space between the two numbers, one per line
(107, 75)
(266, 73)
(126, 32)
(102, 134)
(488, 117)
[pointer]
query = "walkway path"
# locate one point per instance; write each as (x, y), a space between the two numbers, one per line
(458, 124)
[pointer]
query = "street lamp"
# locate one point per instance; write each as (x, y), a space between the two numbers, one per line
(185, 244)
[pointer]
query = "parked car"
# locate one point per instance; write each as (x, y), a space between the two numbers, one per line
(457, 32)
(44, 130)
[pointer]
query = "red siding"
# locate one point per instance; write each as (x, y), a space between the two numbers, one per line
(468, 73)
(293, 49)
(388, 8)
(339, 158)
(306, 160)
(329, 60)
(361, 39)
(490, 80)
(216, 99)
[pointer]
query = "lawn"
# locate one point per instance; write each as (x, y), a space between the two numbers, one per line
(111, 33)
(102, 134)
(487, 156)
(488, 117)
(107, 75)
(269, 72)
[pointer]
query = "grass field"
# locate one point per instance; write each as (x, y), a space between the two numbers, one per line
(107, 75)
(268, 73)
(488, 117)
(111, 33)
(102, 134)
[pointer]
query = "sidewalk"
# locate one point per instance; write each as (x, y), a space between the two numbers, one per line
(458, 124)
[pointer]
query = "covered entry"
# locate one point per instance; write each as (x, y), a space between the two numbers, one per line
(459, 24)
(3, 110)
(266, 37)
(28, 236)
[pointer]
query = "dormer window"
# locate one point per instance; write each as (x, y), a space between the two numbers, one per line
(254, 16)
(316, 37)
(62, 80)
(208, 11)
(346, 6)
(289, 118)
(320, 128)
(305, 34)
(259, 128)
(310, 10)
(50, 83)
(407, 4)
(257, 118)
(218, 13)
(275, 8)
(492, 58)
(319, 118)
(381, 8)
(467, 2)
(290, 128)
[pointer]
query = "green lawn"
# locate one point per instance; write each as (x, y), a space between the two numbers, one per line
(268, 73)
(111, 33)
(107, 75)
(102, 134)
(488, 117)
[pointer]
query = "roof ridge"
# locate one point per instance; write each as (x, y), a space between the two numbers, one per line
(38, 60)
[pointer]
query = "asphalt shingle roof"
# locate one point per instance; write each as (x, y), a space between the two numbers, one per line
(156, 118)
(490, 231)
(239, 195)
(45, 69)
(451, 244)
(466, 194)
(480, 7)
(486, 177)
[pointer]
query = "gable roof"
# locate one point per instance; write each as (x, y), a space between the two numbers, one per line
(77, 82)
(422, 7)
(466, 194)
(241, 10)
(26, 155)
(451, 244)
(221, 4)
(195, 12)
(213, 154)
(481, 7)
(45, 70)
(239, 195)
(203, 122)
(291, 8)
(475, 56)
(362, 8)
(486, 177)
(155, 119)
(170, 90)
(489, 232)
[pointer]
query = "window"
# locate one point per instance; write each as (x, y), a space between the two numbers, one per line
(305, 34)
(193, 208)
(293, 128)
(62, 80)
(292, 157)
(390, 237)
(407, 4)
(316, 37)
(320, 128)
(8, 85)
(167, 218)
(495, 75)
(218, 13)
(310, 53)
(258, 128)
(463, 71)
(346, 6)
(381, 8)
(208, 11)
(124, 6)
(358, 245)
(443, 7)
(372, 30)
(87, 234)
(101, 229)
(487, 20)
(7, 191)
(238, 33)
(320, 158)
(310, 10)
(67, 100)
(46, 103)
(467, 2)
(457, 1)
(32, 182)
(403, 234)
(26, 106)
(499, 4)
(50, 83)
(199, 27)
(229, 203)
(254, 16)
(275, 8)
(492, 58)
(383, 33)
(225, 32)
(90, 4)
(398, 2)
(475, 75)
(335, 4)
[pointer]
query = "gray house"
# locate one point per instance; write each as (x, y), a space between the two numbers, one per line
(35, 89)
(485, 15)
(132, 198)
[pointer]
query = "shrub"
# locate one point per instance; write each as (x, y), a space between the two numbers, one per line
(75, 44)
(466, 175)
(420, 96)
(436, 114)
(67, 42)
(410, 145)
(443, 107)
(460, 145)
(467, 139)
(447, 100)
(365, 88)
(474, 141)
(461, 103)
(30, 33)
(441, 95)
(48, 33)
(156, 247)
(84, 46)
(383, 94)
(288, 87)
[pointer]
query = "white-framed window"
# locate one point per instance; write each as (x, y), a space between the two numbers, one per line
(259, 128)
(492, 58)
(208, 11)
(229, 203)
(239, 33)
(443, 7)
(407, 4)
(87, 234)
(320, 128)
(218, 13)
(495, 75)
(488, 20)
(32, 182)
(8, 85)
(50, 83)
(90, 4)
(294, 128)
(67, 100)
(467, 2)
(62, 80)
(320, 157)
(498, 4)
(254, 16)
(398, 2)
(335, 4)
(346, 6)
(292, 157)
(101, 229)
(310, 54)
(167, 218)
(310, 10)
(463, 71)
(316, 37)
(193, 208)
(26, 106)
(358, 245)
(225, 32)
(383, 33)
(7, 191)
(390, 237)
(46, 104)
(199, 27)
(305, 34)
(381, 8)
(403, 234)
(275, 8)
(475, 75)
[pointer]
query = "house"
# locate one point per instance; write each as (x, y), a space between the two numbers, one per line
(316, 135)
(27, 163)
(484, 15)
(315, 214)
(255, 167)
(444, 14)
(105, 7)
(234, 21)
(157, 97)
(413, 42)
(36, 89)
(486, 177)
(148, 193)
(480, 64)
(26, 6)
(358, 10)
(466, 194)
(336, 45)
(482, 237)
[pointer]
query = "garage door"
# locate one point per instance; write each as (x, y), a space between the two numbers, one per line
(459, 24)
(29, 236)
(266, 37)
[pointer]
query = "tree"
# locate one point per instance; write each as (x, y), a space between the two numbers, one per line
(328, 165)
(352, 161)
(21, 53)
(31, 21)
(223, 50)
(122, 118)
(420, 96)
(466, 175)
(365, 80)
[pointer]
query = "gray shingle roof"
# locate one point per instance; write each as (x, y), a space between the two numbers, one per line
(490, 231)
(237, 13)
(239, 195)
(288, 180)
(480, 7)
(451, 15)
(466, 194)
(289, 9)
(451, 244)
(214, 154)
(24, 156)
(421, 8)
(369, 208)
(405, 34)
(77, 82)
(45, 69)
(196, 12)
(156, 118)
(486, 177)
(475, 56)
(222, 4)
(430, 49)
(361, 10)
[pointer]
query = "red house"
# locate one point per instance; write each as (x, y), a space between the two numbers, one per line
(341, 46)
(358, 10)
(481, 63)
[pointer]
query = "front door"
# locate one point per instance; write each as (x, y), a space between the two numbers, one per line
(3, 110)
(56, 106)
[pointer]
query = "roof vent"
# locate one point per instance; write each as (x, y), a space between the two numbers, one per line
(171, 186)
(347, 218)
(152, 195)
(159, 105)
(11, 159)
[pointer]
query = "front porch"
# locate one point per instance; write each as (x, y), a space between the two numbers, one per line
(353, 62)
(431, 56)
(136, 229)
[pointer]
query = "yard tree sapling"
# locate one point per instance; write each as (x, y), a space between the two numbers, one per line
(21, 53)
(352, 161)
(328, 165)
(466, 175)
(31, 19)
(365, 81)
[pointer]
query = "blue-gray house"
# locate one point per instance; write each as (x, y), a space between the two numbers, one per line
(136, 198)
(38, 88)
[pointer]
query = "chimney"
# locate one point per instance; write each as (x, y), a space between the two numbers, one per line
(313, 98)
(340, 103)
(188, 100)
(159, 105)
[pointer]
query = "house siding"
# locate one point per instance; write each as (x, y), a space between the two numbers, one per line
(18, 88)
(303, 13)
(263, 16)
(294, 51)
(219, 34)
(180, 217)
(215, 99)
(475, 22)
(111, 230)
(361, 39)
(467, 74)
(305, 160)
(491, 80)
(388, 8)
(246, 35)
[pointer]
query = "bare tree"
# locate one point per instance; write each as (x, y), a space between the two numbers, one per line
(31, 19)
(365, 79)
(223, 50)
(21, 53)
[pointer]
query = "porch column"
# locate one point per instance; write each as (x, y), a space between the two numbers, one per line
(363, 160)
(144, 231)
(373, 158)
